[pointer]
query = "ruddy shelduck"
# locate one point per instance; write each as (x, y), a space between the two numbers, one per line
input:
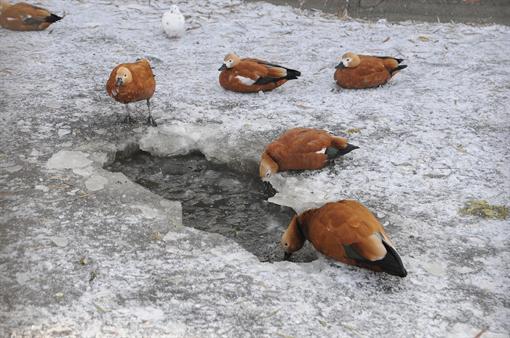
(366, 71)
(25, 17)
(253, 75)
(131, 82)
(345, 231)
(300, 149)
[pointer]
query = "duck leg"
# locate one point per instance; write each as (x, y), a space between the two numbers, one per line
(150, 120)
(128, 119)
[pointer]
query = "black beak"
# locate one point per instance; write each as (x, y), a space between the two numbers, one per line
(340, 65)
(118, 82)
(269, 191)
(223, 67)
(286, 256)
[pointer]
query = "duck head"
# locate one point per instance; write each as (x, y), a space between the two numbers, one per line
(349, 60)
(293, 238)
(230, 61)
(123, 76)
(267, 166)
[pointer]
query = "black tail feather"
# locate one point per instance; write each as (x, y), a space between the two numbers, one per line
(333, 152)
(52, 18)
(292, 74)
(391, 263)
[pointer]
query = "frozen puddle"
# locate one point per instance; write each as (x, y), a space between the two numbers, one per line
(216, 199)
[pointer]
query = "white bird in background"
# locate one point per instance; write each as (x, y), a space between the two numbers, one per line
(173, 22)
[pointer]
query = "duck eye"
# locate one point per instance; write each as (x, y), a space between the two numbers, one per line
(286, 244)
(125, 75)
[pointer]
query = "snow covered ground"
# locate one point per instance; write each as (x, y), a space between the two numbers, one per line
(85, 252)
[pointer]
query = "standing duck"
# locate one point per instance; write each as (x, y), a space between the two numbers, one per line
(25, 17)
(365, 71)
(131, 82)
(253, 75)
(300, 149)
(347, 232)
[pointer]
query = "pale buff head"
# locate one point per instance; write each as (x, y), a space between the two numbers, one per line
(267, 166)
(349, 60)
(123, 76)
(292, 239)
(231, 60)
(3, 5)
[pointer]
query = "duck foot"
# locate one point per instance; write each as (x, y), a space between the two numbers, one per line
(128, 120)
(151, 122)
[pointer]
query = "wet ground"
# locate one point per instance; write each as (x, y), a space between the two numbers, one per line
(217, 199)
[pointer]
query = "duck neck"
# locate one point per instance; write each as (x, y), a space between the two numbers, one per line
(299, 230)
(302, 222)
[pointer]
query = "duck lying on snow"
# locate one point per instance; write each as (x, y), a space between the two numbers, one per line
(253, 75)
(302, 148)
(25, 17)
(366, 71)
(345, 231)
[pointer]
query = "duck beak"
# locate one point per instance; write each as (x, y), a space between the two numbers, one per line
(223, 67)
(286, 256)
(119, 82)
(268, 189)
(340, 65)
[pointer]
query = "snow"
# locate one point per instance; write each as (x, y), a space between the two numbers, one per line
(60, 241)
(96, 182)
(14, 168)
(68, 160)
(175, 139)
(434, 138)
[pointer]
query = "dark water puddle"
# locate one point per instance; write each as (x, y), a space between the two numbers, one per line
(216, 199)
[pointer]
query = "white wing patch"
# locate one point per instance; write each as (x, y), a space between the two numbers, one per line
(392, 77)
(322, 151)
(245, 80)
